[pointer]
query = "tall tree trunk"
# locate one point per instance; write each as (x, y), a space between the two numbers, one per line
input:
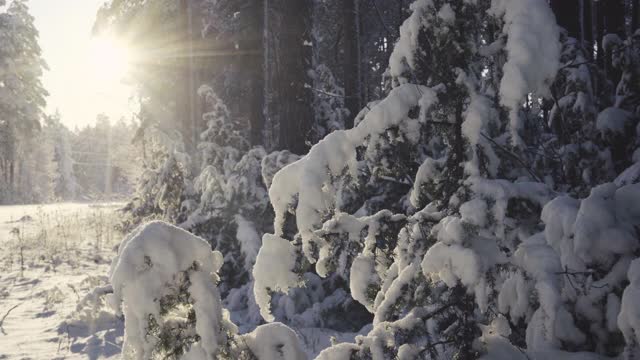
(186, 101)
(614, 23)
(254, 66)
(635, 15)
(614, 17)
(12, 176)
(567, 15)
(352, 74)
(288, 55)
(600, 31)
(587, 24)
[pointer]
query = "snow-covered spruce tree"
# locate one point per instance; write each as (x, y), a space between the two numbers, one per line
(328, 103)
(423, 204)
(63, 179)
(232, 211)
(230, 206)
(164, 283)
(224, 141)
(579, 262)
(572, 153)
(165, 180)
(7, 146)
(22, 99)
(618, 122)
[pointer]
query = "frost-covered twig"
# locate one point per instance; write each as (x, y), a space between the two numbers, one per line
(390, 179)
(320, 91)
(514, 156)
(567, 272)
(433, 345)
(5, 316)
(384, 25)
(514, 329)
(571, 64)
(439, 310)
(75, 291)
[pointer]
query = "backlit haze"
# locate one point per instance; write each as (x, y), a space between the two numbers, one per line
(85, 73)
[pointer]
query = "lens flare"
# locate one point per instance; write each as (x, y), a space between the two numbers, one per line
(109, 58)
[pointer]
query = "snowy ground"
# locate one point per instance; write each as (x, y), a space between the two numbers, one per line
(51, 257)
(66, 251)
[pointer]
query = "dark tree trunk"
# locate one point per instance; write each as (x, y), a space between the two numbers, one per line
(614, 17)
(288, 55)
(254, 67)
(236, 66)
(586, 27)
(600, 30)
(12, 176)
(614, 23)
(352, 90)
(635, 15)
(567, 15)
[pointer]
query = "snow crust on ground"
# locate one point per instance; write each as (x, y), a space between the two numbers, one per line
(67, 250)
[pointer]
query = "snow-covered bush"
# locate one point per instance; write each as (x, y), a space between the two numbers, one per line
(164, 282)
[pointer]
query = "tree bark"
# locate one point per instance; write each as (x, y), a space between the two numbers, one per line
(600, 30)
(614, 23)
(254, 66)
(635, 16)
(567, 16)
(587, 24)
(12, 176)
(288, 55)
(352, 89)
(614, 17)
(246, 40)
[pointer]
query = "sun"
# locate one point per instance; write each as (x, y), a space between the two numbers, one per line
(109, 59)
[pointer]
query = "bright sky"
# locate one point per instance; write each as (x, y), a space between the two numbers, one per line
(84, 76)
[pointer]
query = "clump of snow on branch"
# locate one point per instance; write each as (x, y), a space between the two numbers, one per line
(533, 52)
(273, 276)
(274, 342)
(156, 258)
(337, 154)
